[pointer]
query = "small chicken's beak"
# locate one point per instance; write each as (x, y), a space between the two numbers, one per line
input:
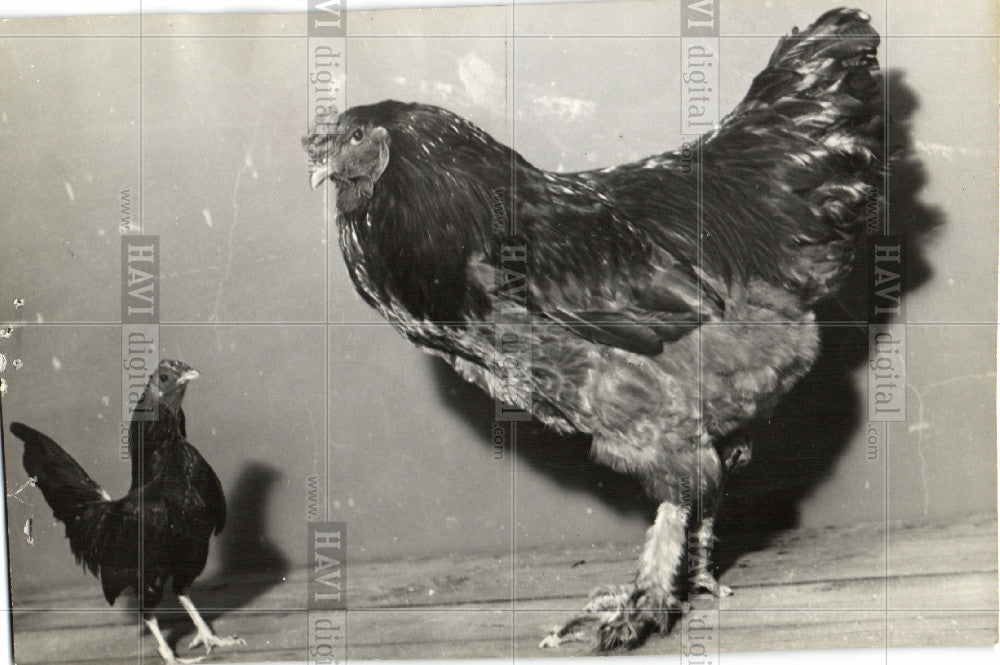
(322, 172)
(188, 376)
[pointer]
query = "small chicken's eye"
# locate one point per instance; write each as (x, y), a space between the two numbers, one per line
(163, 378)
(357, 136)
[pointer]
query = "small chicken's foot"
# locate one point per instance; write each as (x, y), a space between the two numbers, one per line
(166, 653)
(205, 635)
(211, 640)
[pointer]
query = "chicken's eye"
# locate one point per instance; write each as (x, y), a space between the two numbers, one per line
(357, 136)
(163, 378)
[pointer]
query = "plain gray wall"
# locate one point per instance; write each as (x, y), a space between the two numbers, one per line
(412, 471)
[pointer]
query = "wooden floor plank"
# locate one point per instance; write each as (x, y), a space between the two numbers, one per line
(807, 588)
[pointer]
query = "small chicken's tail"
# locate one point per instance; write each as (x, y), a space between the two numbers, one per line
(818, 109)
(76, 500)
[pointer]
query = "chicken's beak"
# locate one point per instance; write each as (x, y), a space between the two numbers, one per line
(187, 376)
(322, 172)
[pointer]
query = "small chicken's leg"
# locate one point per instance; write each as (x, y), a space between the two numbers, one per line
(205, 635)
(166, 653)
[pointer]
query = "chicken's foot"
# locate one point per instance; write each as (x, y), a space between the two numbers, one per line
(205, 635)
(166, 653)
(626, 615)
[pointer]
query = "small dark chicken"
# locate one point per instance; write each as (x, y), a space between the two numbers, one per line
(669, 304)
(173, 507)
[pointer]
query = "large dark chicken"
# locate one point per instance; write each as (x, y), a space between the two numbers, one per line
(668, 306)
(173, 507)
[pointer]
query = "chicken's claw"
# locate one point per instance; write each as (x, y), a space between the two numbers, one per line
(623, 615)
(177, 660)
(706, 582)
(211, 640)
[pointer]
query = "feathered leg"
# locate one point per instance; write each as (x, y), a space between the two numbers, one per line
(736, 455)
(648, 607)
(205, 635)
(626, 615)
(166, 653)
(704, 578)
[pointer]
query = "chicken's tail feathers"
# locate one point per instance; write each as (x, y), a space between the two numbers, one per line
(64, 483)
(834, 60)
(814, 117)
(826, 79)
(75, 499)
(838, 34)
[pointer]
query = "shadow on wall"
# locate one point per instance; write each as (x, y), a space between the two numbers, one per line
(808, 431)
(818, 419)
(250, 562)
